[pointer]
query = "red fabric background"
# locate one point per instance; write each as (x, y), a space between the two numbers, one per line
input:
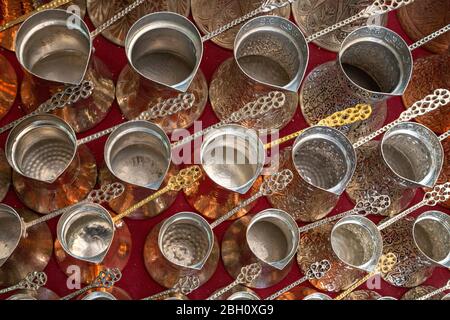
(136, 281)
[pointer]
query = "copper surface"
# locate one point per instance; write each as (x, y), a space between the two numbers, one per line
(301, 200)
(13, 9)
(297, 293)
(430, 73)
(315, 15)
(41, 294)
(102, 10)
(412, 269)
(363, 295)
(86, 113)
(373, 174)
(445, 173)
(5, 175)
(135, 95)
(210, 15)
(71, 187)
(315, 245)
(423, 17)
(213, 201)
(238, 288)
(420, 291)
(32, 254)
(8, 86)
(117, 292)
(164, 272)
(230, 90)
(117, 256)
(235, 255)
(134, 194)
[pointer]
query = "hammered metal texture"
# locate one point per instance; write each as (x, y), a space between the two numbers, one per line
(5, 175)
(8, 86)
(420, 291)
(363, 295)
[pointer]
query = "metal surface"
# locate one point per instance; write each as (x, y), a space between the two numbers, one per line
(363, 295)
(15, 12)
(133, 194)
(209, 15)
(313, 16)
(420, 291)
(149, 78)
(105, 293)
(445, 173)
(233, 157)
(41, 148)
(256, 70)
(269, 238)
(417, 24)
(82, 115)
(71, 187)
(117, 256)
(323, 160)
(165, 267)
(65, 57)
(409, 156)
(412, 268)
(139, 153)
(8, 86)
(357, 242)
(315, 245)
(5, 175)
(317, 296)
(31, 254)
(102, 10)
(430, 73)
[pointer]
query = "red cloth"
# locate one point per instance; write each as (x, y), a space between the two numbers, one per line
(136, 281)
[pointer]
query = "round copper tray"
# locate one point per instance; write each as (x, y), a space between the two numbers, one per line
(13, 9)
(210, 15)
(430, 73)
(422, 18)
(135, 95)
(133, 194)
(117, 256)
(363, 295)
(73, 186)
(8, 86)
(297, 293)
(315, 15)
(32, 254)
(102, 10)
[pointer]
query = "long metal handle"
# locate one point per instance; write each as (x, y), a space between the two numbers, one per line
(439, 98)
(51, 5)
(119, 15)
(377, 8)
(59, 100)
(435, 292)
(33, 281)
(430, 37)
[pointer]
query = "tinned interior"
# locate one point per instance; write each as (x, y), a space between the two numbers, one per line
(87, 232)
(138, 156)
(432, 237)
(186, 242)
(243, 295)
(411, 155)
(48, 48)
(43, 150)
(322, 162)
(164, 55)
(10, 232)
(270, 239)
(317, 296)
(372, 65)
(232, 160)
(354, 244)
(269, 56)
